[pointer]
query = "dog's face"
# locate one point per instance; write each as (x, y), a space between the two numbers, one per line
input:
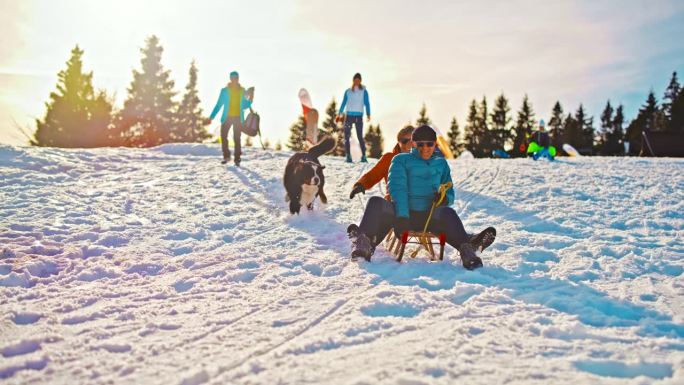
(308, 173)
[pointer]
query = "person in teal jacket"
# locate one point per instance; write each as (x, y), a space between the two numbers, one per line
(234, 100)
(414, 181)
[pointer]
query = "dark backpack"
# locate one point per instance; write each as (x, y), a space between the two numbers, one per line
(251, 124)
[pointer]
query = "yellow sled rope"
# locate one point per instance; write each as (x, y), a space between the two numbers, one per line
(424, 238)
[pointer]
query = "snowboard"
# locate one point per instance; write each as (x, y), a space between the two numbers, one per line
(570, 150)
(310, 116)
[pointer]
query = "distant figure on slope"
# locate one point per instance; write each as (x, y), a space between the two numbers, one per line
(355, 99)
(381, 169)
(414, 181)
(234, 100)
(540, 144)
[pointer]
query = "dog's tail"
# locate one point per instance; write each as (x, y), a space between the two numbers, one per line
(324, 147)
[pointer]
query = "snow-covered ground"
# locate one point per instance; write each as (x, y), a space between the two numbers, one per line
(161, 266)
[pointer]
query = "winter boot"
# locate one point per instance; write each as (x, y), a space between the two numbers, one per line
(470, 260)
(349, 159)
(363, 159)
(482, 240)
(361, 245)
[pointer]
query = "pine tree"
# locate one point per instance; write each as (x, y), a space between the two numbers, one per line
(671, 93)
(248, 141)
(500, 131)
(614, 145)
(76, 116)
(380, 148)
(472, 139)
(571, 131)
(645, 121)
(588, 134)
(423, 118)
(606, 130)
(581, 134)
(454, 134)
(651, 111)
(331, 125)
(524, 125)
(190, 124)
(278, 146)
(374, 141)
(267, 143)
(297, 135)
(556, 125)
(676, 122)
(487, 144)
(148, 114)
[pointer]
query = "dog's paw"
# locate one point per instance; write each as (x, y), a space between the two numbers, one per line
(295, 207)
(310, 206)
(322, 197)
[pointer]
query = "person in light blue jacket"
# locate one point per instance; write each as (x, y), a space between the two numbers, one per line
(234, 100)
(414, 182)
(355, 100)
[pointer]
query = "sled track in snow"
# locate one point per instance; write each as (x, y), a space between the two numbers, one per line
(470, 195)
(308, 327)
(262, 352)
(257, 188)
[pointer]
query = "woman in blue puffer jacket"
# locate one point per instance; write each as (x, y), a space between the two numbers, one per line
(414, 180)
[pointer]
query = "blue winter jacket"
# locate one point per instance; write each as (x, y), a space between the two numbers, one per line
(413, 182)
(224, 101)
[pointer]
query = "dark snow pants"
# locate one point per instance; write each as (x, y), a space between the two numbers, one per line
(358, 123)
(237, 133)
(379, 218)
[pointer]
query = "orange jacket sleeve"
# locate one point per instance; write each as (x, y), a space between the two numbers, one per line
(377, 173)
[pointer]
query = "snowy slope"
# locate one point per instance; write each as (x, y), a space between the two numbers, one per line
(162, 266)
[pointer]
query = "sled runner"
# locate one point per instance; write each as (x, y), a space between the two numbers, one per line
(425, 240)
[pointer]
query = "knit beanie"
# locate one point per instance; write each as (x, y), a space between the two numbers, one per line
(424, 133)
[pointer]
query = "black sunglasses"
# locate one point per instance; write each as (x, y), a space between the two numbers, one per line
(428, 144)
(404, 140)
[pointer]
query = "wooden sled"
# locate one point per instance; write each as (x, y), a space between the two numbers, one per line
(425, 240)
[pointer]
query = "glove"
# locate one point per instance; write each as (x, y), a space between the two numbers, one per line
(436, 199)
(401, 224)
(358, 188)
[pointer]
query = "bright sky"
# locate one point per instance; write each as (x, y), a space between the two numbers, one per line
(443, 53)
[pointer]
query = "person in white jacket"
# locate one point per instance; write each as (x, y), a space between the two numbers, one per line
(355, 100)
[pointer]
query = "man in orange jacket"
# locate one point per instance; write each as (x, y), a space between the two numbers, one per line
(381, 169)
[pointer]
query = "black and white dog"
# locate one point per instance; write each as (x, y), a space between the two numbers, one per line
(304, 178)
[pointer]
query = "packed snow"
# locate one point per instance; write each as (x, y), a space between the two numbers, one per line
(161, 266)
